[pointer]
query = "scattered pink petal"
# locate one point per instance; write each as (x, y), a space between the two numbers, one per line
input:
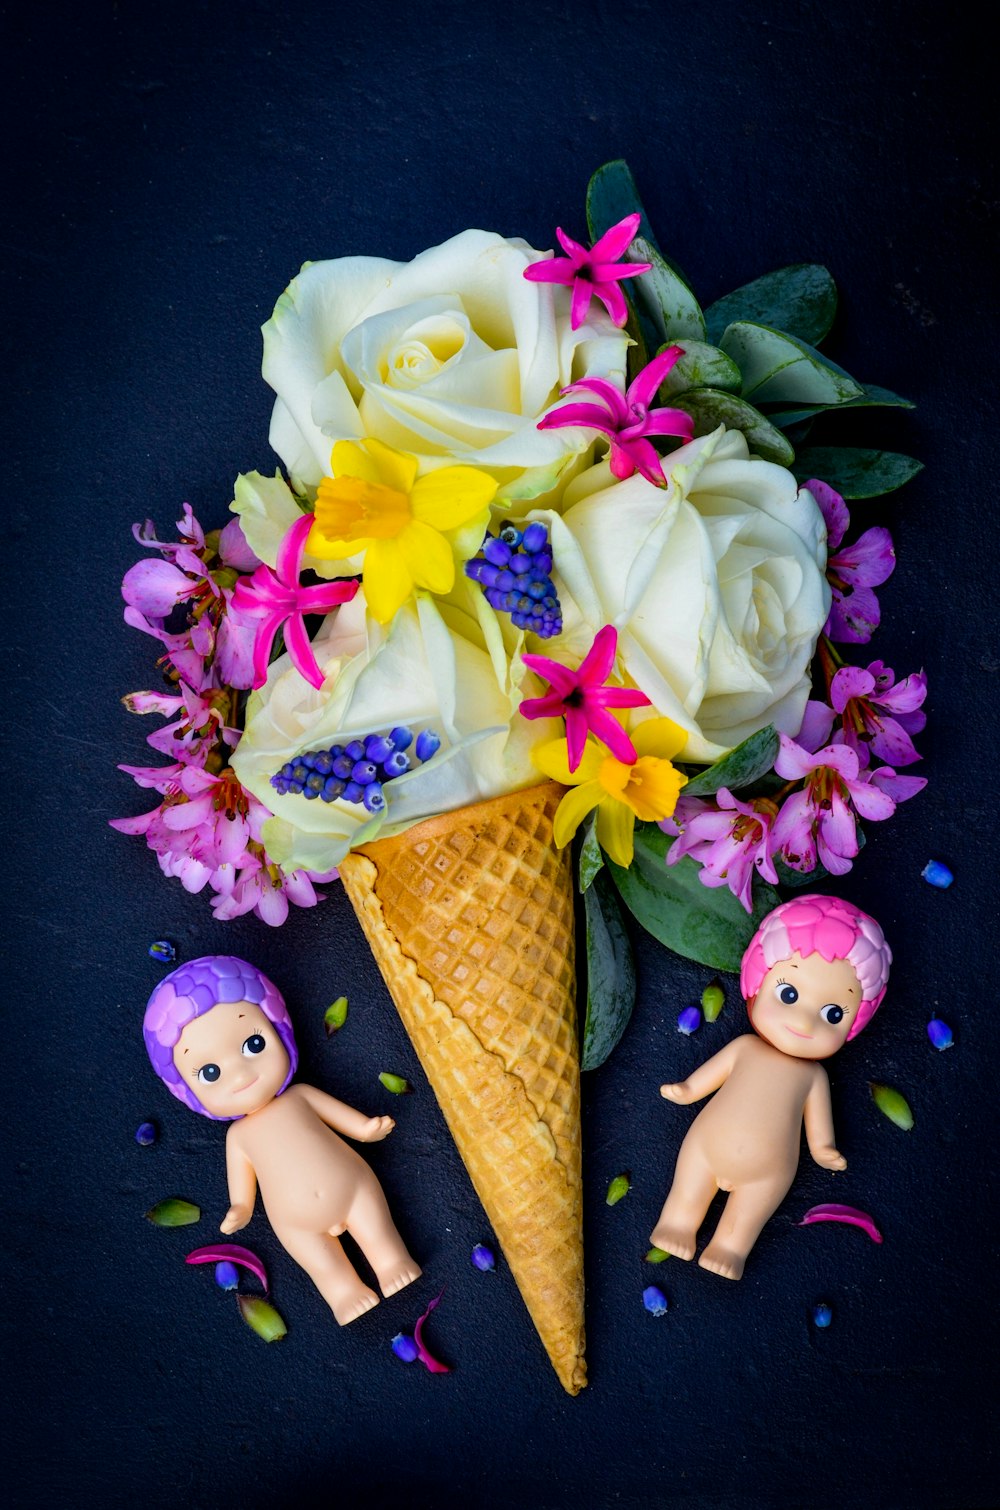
(849, 1214)
(229, 1253)
(425, 1357)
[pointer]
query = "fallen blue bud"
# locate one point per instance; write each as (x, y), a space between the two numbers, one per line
(940, 1034)
(822, 1314)
(482, 1258)
(405, 1348)
(654, 1300)
(937, 873)
(227, 1276)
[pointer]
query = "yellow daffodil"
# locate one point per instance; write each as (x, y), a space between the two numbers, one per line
(375, 503)
(648, 789)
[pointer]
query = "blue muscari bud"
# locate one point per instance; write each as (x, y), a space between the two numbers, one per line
(363, 772)
(488, 575)
(510, 535)
(353, 792)
(543, 562)
(163, 950)
(300, 771)
(482, 1259)
(505, 581)
(307, 759)
(937, 873)
(654, 1300)
(496, 552)
(396, 764)
(378, 748)
(520, 563)
(333, 788)
(312, 792)
(428, 744)
(323, 762)
(145, 1134)
(535, 536)
(355, 750)
(940, 1034)
(373, 798)
(314, 782)
(343, 766)
(822, 1314)
(537, 590)
(689, 1021)
(405, 1348)
(227, 1276)
(401, 737)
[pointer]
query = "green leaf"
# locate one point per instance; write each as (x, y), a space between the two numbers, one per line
(591, 856)
(701, 366)
(610, 973)
(740, 767)
(801, 299)
(855, 472)
(174, 1213)
(892, 1105)
(619, 1186)
(261, 1317)
(710, 408)
(611, 195)
(778, 368)
(698, 922)
(335, 1015)
(872, 398)
(394, 1083)
(664, 296)
(656, 1256)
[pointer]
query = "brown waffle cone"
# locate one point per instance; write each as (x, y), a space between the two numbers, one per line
(470, 917)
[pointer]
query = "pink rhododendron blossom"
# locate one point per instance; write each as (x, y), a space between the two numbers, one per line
(853, 571)
(878, 715)
(272, 598)
(582, 698)
(626, 419)
(596, 272)
(728, 838)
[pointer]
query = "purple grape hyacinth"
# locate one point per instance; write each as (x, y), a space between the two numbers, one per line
(513, 569)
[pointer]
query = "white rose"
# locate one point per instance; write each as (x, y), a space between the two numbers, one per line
(715, 584)
(417, 672)
(453, 356)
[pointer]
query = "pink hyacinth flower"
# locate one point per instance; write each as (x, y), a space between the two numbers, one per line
(853, 571)
(582, 698)
(626, 419)
(728, 838)
(593, 272)
(878, 714)
(274, 598)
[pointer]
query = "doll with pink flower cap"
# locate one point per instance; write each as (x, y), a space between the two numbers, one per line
(813, 975)
(219, 1036)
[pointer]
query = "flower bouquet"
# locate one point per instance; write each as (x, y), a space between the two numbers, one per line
(551, 582)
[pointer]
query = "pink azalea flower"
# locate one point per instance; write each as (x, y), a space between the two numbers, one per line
(728, 838)
(582, 698)
(276, 597)
(819, 821)
(853, 571)
(593, 272)
(627, 418)
(878, 714)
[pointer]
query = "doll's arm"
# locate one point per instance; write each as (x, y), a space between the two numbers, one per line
(344, 1119)
(819, 1124)
(705, 1079)
(242, 1185)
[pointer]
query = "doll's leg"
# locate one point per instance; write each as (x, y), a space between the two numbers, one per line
(374, 1231)
(331, 1271)
(690, 1196)
(746, 1210)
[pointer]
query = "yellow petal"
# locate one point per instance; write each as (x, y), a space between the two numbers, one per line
(428, 557)
(572, 810)
(659, 736)
(397, 469)
(347, 459)
(552, 758)
(451, 496)
(616, 831)
(324, 548)
(387, 582)
(653, 788)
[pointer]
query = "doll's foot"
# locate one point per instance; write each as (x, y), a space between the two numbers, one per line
(723, 1261)
(678, 1241)
(399, 1277)
(354, 1303)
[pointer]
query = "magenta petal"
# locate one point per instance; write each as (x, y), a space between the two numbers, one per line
(645, 386)
(552, 270)
(430, 1362)
(549, 706)
(231, 1253)
(606, 392)
(621, 464)
(611, 732)
(834, 511)
(618, 697)
(792, 761)
(138, 825)
(899, 788)
(613, 300)
(669, 422)
(837, 832)
(574, 251)
(586, 415)
(850, 1214)
(262, 646)
(906, 696)
(595, 668)
(185, 815)
(891, 742)
(850, 682)
(644, 457)
(291, 550)
(869, 561)
(234, 550)
(854, 616)
(300, 651)
(817, 721)
(155, 587)
(576, 736)
(326, 597)
(616, 239)
(559, 677)
(581, 302)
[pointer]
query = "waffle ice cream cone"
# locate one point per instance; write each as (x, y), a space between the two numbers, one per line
(470, 917)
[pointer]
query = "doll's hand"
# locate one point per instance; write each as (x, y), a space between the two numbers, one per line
(680, 1092)
(829, 1158)
(375, 1129)
(235, 1218)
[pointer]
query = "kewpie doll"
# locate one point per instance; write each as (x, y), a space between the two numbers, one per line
(220, 1038)
(813, 975)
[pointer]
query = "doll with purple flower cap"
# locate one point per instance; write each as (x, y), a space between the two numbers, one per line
(813, 975)
(219, 1036)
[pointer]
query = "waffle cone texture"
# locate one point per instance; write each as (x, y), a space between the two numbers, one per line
(470, 918)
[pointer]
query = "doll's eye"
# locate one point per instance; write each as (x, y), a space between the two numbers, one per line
(831, 1013)
(255, 1044)
(787, 994)
(209, 1073)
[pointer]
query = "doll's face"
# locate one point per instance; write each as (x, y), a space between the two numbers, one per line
(232, 1058)
(805, 1007)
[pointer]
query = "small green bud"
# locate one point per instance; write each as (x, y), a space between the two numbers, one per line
(335, 1016)
(713, 999)
(618, 1187)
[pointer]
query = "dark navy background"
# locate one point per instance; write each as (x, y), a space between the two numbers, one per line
(169, 167)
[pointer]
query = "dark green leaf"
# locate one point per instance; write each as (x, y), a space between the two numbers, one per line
(611, 195)
(781, 369)
(872, 398)
(854, 472)
(801, 300)
(744, 764)
(698, 922)
(701, 366)
(591, 856)
(710, 408)
(174, 1213)
(664, 297)
(610, 973)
